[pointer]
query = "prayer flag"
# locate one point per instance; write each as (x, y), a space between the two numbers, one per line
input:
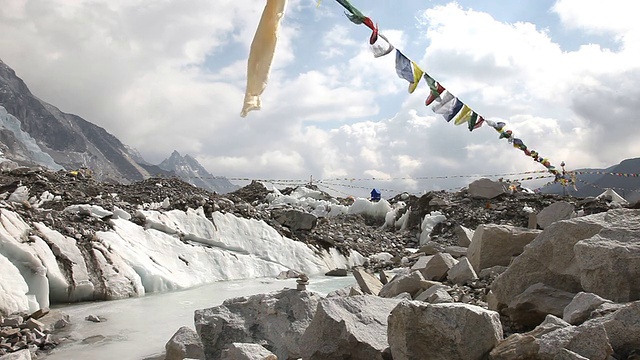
(381, 47)
(261, 54)
(475, 121)
(403, 67)
(448, 106)
(436, 89)
(464, 115)
(417, 75)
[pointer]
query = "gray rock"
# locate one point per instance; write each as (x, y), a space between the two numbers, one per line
(337, 272)
(369, 284)
(438, 266)
(410, 283)
(295, 219)
(547, 341)
(348, 328)
(581, 306)
(436, 294)
(443, 331)
(492, 271)
(421, 263)
(609, 263)
(554, 259)
(276, 320)
(240, 351)
(532, 306)
(497, 245)
(464, 235)
(462, 272)
(18, 355)
(185, 343)
(487, 189)
(456, 251)
(557, 211)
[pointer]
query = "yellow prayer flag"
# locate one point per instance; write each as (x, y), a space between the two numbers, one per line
(261, 54)
(417, 75)
(463, 116)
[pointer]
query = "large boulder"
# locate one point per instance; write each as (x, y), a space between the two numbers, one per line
(532, 306)
(609, 263)
(564, 257)
(295, 219)
(616, 332)
(185, 343)
(581, 306)
(487, 189)
(498, 245)
(348, 328)
(438, 266)
(464, 235)
(419, 330)
(410, 283)
(369, 284)
(275, 320)
(557, 211)
(462, 272)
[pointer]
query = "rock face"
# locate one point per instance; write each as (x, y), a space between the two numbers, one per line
(348, 328)
(276, 320)
(442, 331)
(67, 139)
(185, 343)
(497, 245)
(487, 189)
(592, 253)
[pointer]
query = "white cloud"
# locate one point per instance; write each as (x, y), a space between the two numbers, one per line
(170, 75)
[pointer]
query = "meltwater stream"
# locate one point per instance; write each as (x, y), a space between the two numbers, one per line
(138, 328)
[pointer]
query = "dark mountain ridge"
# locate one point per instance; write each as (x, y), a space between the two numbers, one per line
(34, 132)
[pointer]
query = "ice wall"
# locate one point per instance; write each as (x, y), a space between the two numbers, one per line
(173, 250)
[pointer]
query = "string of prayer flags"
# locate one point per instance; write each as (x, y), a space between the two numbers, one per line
(357, 17)
(261, 54)
(519, 144)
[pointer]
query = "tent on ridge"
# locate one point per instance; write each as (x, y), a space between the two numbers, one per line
(613, 196)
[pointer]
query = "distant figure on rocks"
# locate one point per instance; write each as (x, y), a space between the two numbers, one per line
(375, 195)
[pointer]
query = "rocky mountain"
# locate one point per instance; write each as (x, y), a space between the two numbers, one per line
(34, 132)
(592, 182)
(189, 169)
(60, 140)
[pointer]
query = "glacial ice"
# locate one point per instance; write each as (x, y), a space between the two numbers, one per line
(174, 250)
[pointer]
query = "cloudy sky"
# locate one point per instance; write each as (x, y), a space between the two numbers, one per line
(166, 75)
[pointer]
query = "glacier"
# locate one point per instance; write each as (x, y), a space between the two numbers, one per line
(173, 250)
(158, 250)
